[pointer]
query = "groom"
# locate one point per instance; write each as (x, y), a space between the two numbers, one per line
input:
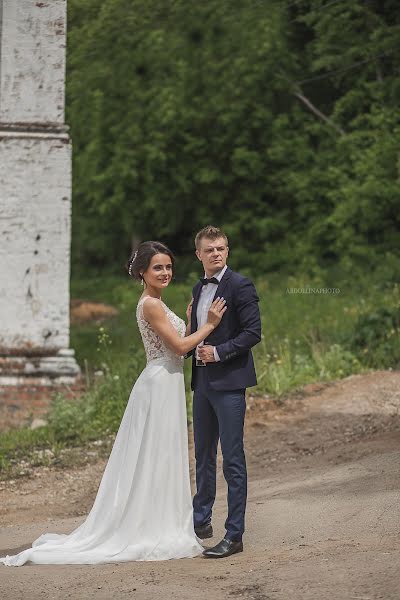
(222, 370)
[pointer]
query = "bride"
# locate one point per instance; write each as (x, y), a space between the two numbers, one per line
(143, 508)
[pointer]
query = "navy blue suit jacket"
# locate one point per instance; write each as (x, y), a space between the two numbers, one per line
(238, 331)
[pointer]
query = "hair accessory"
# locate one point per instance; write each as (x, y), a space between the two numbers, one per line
(131, 263)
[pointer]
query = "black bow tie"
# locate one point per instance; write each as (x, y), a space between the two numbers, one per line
(204, 280)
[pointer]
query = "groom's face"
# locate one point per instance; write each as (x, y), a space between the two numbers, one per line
(213, 254)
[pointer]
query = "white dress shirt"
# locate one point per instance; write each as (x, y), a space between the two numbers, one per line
(206, 297)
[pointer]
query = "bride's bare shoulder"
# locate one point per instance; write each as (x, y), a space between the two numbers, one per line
(152, 307)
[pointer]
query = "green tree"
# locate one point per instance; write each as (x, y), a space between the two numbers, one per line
(275, 121)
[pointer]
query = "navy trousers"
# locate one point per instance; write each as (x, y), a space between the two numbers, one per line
(219, 415)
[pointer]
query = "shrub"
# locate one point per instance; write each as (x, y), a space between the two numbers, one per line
(375, 338)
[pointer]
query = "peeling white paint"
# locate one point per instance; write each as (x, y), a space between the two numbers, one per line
(35, 178)
(32, 61)
(35, 193)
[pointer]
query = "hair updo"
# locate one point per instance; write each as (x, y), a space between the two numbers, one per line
(140, 260)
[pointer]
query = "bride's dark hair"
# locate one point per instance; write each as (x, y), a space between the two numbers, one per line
(141, 258)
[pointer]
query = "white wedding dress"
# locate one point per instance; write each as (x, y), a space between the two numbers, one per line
(143, 508)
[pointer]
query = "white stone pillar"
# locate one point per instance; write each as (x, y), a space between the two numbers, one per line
(35, 196)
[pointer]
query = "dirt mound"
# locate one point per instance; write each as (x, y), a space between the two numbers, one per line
(84, 311)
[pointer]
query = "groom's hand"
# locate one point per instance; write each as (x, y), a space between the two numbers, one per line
(206, 353)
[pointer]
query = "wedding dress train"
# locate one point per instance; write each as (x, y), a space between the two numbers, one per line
(143, 508)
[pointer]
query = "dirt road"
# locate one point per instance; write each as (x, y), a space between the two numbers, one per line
(323, 518)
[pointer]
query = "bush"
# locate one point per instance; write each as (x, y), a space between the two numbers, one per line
(375, 337)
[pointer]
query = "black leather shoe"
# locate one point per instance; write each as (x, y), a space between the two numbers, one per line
(204, 531)
(223, 549)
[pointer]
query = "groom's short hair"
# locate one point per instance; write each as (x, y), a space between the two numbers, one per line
(211, 233)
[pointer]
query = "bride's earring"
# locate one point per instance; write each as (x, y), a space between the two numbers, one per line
(141, 280)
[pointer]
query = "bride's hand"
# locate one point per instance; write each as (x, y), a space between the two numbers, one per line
(189, 310)
(216, 312)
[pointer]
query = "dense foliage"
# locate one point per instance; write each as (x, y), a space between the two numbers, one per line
(277, 120)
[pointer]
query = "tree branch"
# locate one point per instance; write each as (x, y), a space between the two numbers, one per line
(299, 94)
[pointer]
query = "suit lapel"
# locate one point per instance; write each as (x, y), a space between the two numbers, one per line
(196, 296)
(222, 284)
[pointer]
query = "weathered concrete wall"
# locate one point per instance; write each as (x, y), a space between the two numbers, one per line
(35, 187)
(32, 70)
(35, 199)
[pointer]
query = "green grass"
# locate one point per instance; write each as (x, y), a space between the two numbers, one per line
(315, 336)
(306, 337)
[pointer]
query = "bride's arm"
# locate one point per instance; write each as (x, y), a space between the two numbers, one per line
(154, 313)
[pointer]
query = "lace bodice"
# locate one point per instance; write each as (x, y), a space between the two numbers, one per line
(153, 344)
